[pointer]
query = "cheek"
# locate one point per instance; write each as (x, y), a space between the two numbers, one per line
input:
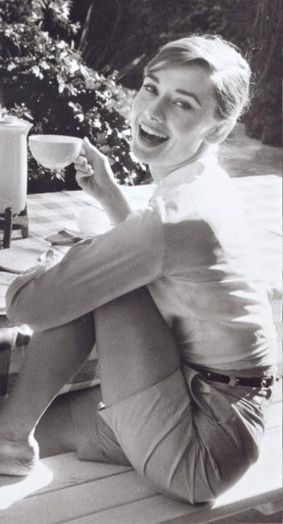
(184, 127)
(137, 106)
(133, 117)
(194, 124)
(189, 132)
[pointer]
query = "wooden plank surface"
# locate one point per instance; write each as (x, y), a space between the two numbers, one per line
(261, 484)
(86, 492)
(159, 510)
(53, 474)
(85, 498)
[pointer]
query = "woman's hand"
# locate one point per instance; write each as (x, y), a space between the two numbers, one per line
(94, 174)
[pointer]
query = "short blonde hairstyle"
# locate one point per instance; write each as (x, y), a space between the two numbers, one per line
(229, 70)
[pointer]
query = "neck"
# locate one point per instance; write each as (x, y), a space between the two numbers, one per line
(161, 171)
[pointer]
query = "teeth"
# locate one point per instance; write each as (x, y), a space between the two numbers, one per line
(152, 132)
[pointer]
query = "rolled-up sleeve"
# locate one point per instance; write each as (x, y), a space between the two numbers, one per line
(94, 272)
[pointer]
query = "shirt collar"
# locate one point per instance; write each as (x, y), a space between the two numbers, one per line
(188, 172)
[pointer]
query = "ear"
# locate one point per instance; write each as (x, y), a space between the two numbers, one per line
(220, 131)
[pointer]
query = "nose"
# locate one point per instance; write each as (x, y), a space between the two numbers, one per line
(156, 110)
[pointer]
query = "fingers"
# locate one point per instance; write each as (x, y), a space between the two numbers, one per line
(90, 151)
(82, 178)
(81, 164)
(87, 148)
(84, 149)
(83, 173)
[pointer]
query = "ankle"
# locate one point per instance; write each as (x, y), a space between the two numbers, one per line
(13, 426)
(18, 458)
(15, 434)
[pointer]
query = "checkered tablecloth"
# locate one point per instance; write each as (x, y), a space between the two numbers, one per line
(53, 212)
(48, 214)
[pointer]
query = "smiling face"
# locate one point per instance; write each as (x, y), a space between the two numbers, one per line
(173, 113)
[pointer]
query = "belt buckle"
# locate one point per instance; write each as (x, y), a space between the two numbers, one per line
(233, 381)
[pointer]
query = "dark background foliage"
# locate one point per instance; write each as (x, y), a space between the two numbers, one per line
(70, 66)
(45, 80)
(123, 34)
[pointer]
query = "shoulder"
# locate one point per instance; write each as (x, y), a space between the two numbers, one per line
(189, 239)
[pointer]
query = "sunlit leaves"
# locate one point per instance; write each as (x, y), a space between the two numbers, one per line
(46, 80)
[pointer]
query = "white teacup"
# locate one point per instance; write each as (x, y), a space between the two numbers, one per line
(54, 151)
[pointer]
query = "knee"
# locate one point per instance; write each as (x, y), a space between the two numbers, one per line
(181, 476)
(78, 334)
(184, 489)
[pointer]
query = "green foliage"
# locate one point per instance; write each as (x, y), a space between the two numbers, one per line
(45, 80)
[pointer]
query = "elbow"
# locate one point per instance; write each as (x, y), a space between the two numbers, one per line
(20, 310)
(19, 316)
(37, 313)
(30, 301)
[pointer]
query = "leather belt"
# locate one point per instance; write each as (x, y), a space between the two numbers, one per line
(251, 382)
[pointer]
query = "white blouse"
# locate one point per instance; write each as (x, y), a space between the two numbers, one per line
(192, 249)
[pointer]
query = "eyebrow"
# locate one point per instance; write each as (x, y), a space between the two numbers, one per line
(180, 91)
(190, 94)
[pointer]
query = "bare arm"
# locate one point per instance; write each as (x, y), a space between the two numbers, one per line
(95, 177)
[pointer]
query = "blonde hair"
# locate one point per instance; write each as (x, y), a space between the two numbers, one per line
(229, 70)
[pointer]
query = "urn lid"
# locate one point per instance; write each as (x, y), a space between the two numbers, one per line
(12, 122)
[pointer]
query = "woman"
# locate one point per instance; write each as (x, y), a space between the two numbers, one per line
(182, 324)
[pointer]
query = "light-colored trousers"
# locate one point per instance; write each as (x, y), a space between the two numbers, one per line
(189, 437)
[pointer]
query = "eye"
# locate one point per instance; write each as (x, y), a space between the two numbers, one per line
(182, 104)
(150, 88)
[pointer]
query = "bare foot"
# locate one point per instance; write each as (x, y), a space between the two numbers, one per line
(18, 458)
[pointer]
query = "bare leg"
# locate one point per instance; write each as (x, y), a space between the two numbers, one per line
(136, 350)
(54, 431)
(135, 346)
(52, 358)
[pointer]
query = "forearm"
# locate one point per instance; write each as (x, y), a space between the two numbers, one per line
(95, 176)
(92, 273)
(115, 205)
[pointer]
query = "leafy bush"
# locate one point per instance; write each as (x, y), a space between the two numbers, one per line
(45, 80)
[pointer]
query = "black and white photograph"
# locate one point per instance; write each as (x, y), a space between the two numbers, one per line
(140, 262)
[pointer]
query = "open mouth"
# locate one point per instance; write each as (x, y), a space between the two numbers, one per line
(151, 136)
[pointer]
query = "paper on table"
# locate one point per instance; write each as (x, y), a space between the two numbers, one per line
(64, 237)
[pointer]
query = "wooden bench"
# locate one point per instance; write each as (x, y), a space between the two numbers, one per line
(64, 489)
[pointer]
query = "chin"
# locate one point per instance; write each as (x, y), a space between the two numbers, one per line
(139, 153)
(144, 154)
